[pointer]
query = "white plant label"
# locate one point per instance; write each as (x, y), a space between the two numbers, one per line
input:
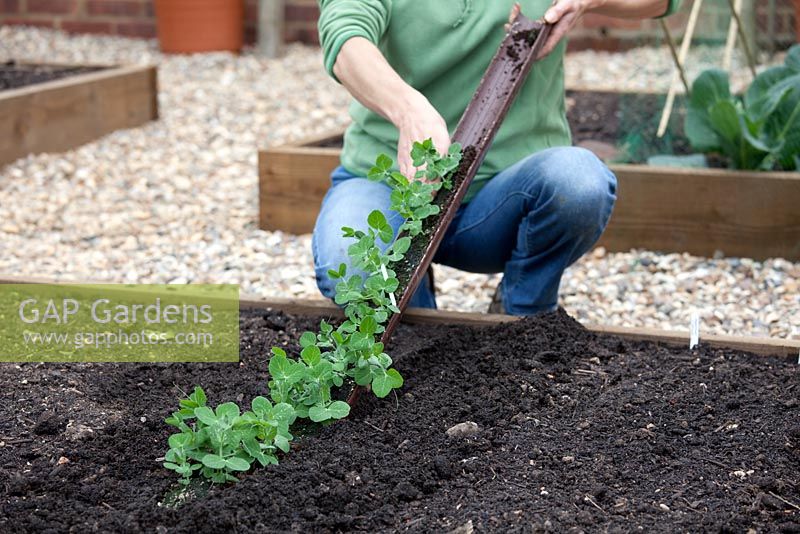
(694, 331)
(386, 277)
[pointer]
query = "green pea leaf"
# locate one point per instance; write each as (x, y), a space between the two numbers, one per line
(386, 234)
(413, 227)
(282, 443)
(339, 410)
(251, 446)
(228, 410)
(376, 219)
(237, 464)
(384, 162)
(311, 355)
(390, 285)
(179, 441)
(261, 406)
(402, 245)
(319, 414)
(188, 403)
(368, 326)
(205, 415)
(284, 413)
(281, 369)
(199, 396)
(399, 180)
(324, 327)
(308, 338)
(385, 381)
(213, 461)
(362, 376)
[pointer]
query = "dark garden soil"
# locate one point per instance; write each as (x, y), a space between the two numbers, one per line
(576, 432)
(628, 121)
(13, 74)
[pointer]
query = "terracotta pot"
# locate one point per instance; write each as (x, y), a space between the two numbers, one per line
(186, 26)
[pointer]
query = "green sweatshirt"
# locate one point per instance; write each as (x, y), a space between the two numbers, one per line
(442, 48)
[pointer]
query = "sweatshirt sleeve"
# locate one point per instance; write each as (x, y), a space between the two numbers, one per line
(339, 20)
(672, 7)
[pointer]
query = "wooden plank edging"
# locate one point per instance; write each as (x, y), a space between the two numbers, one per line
(65, 113)
(75, 79)
(667, 209)
(763, 346)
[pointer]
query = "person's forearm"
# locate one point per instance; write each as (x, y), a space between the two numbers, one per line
(629, 9)
(366, 74)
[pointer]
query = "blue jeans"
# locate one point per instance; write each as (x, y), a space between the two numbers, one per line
(530, 222)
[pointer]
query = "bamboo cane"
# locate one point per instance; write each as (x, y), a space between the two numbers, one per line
(682, 55)
(674, 53)
(751, 62)
(730, 43)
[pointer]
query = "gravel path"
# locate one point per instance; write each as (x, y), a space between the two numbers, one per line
(175, 201)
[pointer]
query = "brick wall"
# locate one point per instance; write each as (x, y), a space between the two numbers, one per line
(597, 31)
(135, 18)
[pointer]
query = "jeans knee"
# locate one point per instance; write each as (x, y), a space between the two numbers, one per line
(348, 203)
(322, 262)
(326, 284)
(583, 189)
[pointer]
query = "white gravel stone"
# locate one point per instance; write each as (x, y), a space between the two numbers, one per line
(650, 68)
(463, 430)
(176, 200)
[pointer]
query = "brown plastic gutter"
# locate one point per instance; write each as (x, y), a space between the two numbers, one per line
(479, 124)
(475, 132)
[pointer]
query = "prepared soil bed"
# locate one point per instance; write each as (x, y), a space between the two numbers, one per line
(13, 74)
(575, 431)
(627, 121)
(80, 105)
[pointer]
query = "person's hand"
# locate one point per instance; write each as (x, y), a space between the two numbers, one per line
(515, 9)
(419, 121)
(563, 15)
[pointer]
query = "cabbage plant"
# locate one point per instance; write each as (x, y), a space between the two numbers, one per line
(759, 130)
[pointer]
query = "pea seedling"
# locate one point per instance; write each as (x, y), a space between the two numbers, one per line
(218, 443)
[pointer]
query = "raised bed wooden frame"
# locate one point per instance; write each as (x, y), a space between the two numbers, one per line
(65, 113)
(699, 211)
(765, 346)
